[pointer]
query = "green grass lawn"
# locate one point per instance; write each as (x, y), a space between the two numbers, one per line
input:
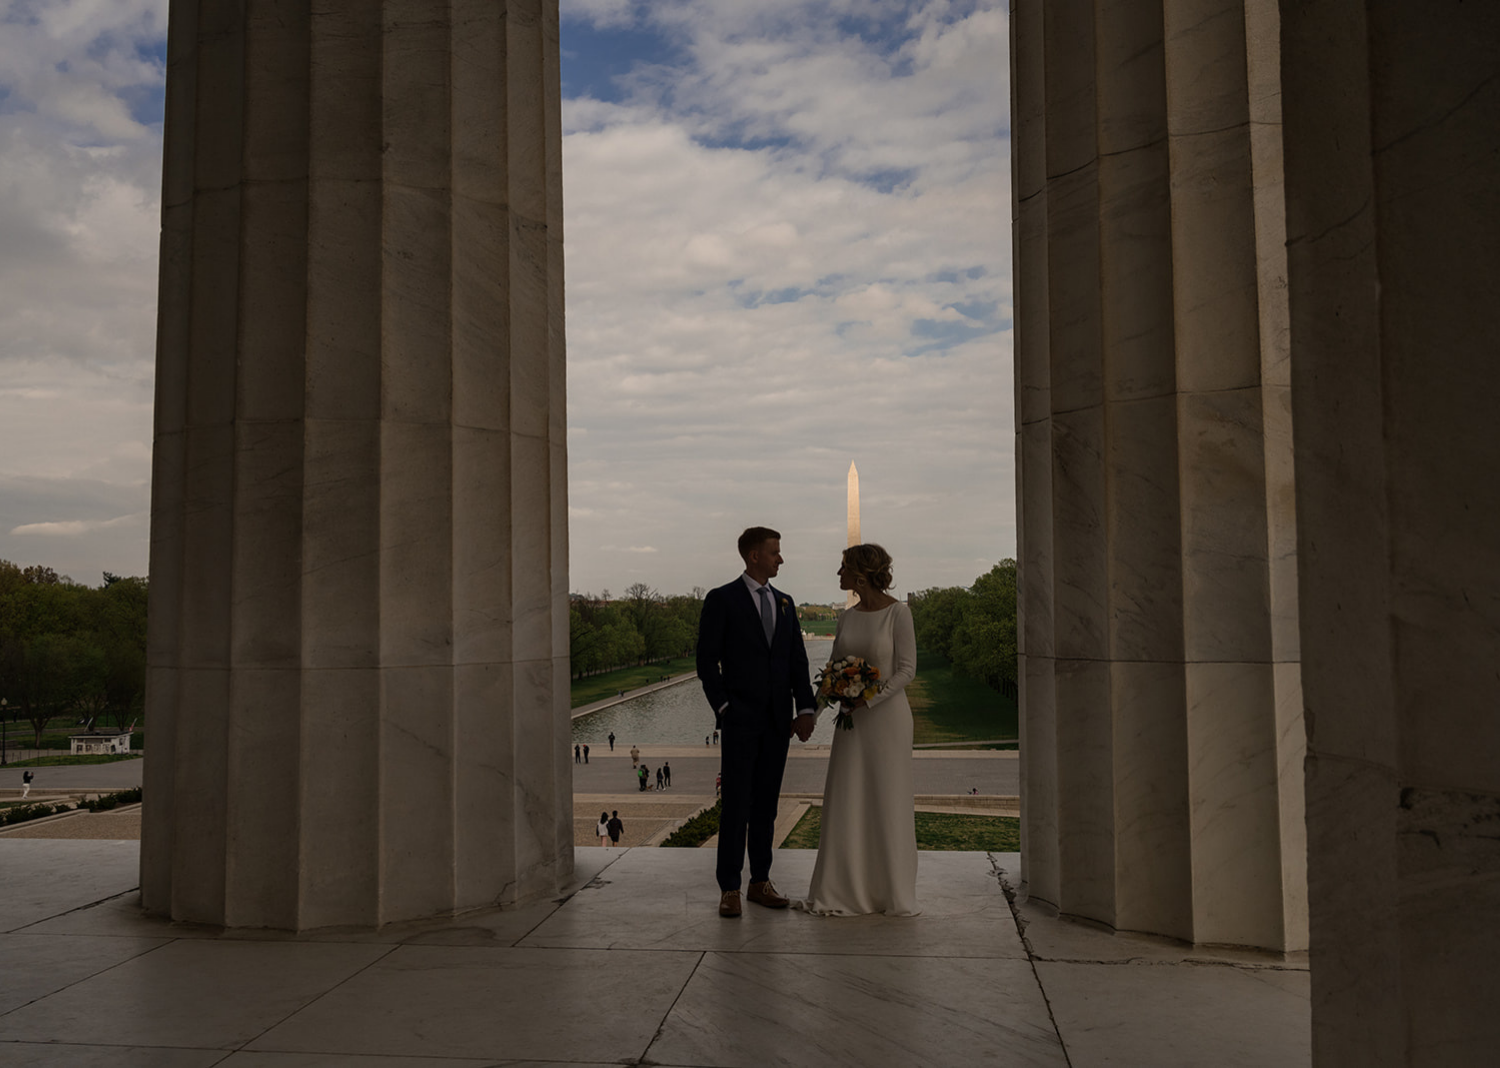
(597, 687)
(820, 626)
(85, 758)
(949, 707)
(697, 830)
(21, 736)
(935, 830)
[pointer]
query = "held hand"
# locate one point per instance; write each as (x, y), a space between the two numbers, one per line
(802, 727)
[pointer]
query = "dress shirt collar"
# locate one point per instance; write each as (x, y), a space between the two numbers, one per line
(755, 587)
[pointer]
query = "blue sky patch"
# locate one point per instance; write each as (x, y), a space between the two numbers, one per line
(977, 309)
(945, 334)
(147, 103)
(788, 295)
(596, 61)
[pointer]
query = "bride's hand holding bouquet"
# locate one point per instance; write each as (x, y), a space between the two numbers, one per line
(848, 682)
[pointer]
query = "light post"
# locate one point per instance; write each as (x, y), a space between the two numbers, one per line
(4, 732)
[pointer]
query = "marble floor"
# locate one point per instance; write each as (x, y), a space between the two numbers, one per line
(630, 966)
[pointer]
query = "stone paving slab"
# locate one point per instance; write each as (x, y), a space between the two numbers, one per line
(47, 878)
(629, 963)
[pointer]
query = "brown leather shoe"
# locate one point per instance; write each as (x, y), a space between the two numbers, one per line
(729, 903)
(765, 894)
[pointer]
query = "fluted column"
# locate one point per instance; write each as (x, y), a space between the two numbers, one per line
(358, 649)
(1393, 221)
(1161, 713)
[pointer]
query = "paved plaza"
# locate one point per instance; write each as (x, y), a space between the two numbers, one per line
(629, 965)
(944, 783)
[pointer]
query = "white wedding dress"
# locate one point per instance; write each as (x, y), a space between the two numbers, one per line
(867, 853)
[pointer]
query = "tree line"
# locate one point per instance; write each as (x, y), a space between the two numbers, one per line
(70, 650)
(642, 627)
(973, 628)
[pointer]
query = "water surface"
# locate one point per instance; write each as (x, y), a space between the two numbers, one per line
(678, 715)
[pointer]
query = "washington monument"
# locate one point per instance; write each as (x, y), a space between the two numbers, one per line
(853, 521)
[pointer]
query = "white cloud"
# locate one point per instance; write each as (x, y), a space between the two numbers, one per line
(786, 249)
(72, 528)
(79, 181)
(791, 252)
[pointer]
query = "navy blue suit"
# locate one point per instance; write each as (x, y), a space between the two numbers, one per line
(763, 684)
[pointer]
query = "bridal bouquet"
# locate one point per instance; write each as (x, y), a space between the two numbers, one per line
(842, 682)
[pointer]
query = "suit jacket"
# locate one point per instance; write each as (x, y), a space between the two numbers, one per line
(763, 684)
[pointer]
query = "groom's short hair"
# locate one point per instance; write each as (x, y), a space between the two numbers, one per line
(754, 538)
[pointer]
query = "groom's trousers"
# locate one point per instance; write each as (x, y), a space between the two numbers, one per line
(752, 764)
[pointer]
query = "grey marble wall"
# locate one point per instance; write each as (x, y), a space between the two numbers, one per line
(1162, 731)
(358, 649)
(1393, 226)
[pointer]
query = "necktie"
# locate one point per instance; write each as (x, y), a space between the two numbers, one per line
(767, 619)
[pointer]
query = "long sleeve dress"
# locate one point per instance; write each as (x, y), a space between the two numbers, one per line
(867, 852)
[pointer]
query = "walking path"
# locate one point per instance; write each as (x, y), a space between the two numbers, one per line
(73, 778)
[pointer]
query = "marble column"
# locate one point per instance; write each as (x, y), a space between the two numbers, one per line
(358, 631)
(1393, 226)
(1161, 727)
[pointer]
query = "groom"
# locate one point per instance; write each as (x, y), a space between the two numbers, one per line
(753, 667)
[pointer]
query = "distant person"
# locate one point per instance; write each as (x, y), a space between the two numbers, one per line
(585, 753)
(666, 769)
(25, 783)
(705, 739)
(642, 773)
(576, 757)
(611, 741)
(719, 785)
(635, 756)
(716, 737)
(603, 829)
(616, 828)
(659, 785)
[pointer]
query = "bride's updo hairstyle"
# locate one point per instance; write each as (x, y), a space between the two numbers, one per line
(871, 561)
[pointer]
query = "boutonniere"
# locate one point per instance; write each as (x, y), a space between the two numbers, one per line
(786, 604)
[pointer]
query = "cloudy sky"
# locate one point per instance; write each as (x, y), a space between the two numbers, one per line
(788, 248)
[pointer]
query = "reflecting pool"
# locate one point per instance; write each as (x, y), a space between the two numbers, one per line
(678, 715)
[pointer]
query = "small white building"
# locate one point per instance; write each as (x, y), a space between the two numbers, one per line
(101, 742)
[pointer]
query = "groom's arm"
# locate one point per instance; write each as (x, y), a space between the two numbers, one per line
(710, 652)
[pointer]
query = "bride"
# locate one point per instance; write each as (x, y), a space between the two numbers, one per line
(867, 852)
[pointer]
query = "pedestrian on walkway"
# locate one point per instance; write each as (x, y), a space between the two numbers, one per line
(659, 785)
(26, 782)
(585, 753)
(642, 772)
(576, 757)
(616, 828)
(603, 829)
(716, 737)
(666, 769)
(611, 741)
(635, 756)
(719, 785)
